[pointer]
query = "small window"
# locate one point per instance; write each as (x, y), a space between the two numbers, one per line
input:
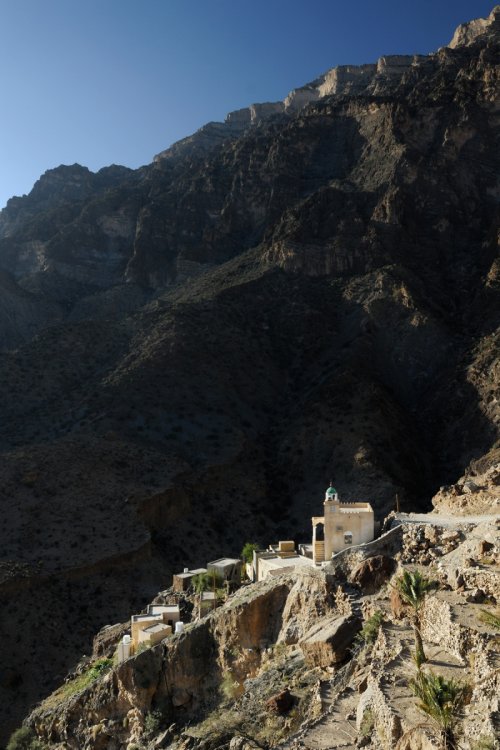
(348, 537)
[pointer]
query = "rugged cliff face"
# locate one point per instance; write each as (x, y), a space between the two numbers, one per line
(191, 349)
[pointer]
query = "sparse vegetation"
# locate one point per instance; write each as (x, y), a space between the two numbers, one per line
(491, 618)
(483, 742)
(369, 632)
(229, 687)
(96, 670)
(152, 722)
(24, 739)
(367, 723)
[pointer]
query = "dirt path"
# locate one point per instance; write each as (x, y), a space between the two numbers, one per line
(449, 521)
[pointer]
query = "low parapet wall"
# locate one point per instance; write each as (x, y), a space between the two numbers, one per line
(387, 544)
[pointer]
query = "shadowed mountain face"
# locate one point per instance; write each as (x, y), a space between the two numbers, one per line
(191, 350)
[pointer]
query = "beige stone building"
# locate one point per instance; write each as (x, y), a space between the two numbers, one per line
(143, 627)
(227, 569)
(183, 581)
(343, 525)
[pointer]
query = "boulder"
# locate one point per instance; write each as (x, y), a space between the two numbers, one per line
(484, 547)
(399, 607)
(107, 639)
(164, 739)
(327, 642)
(180, 697)
(280, 703)
(470, 486)
(476, 596)
(372, 573)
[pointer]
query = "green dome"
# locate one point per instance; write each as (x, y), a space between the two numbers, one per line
(331, 491)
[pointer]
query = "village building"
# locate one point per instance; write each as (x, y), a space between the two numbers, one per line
(208, 602)
(342, 525)
(270, 563)
(166, 615)
(153, 634)
(228, 569)
(182, 581)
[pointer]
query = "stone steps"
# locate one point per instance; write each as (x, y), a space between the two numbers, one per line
(331, 730)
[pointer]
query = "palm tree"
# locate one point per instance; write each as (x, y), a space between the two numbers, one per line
(201, 582)
(441, 699)
(413, 588)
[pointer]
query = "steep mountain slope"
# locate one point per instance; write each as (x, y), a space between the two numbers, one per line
(190, 349)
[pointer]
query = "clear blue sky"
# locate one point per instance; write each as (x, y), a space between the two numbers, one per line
(115, 81)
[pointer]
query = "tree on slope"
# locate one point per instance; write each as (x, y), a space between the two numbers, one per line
(210, 580)
(442, 699)
(413, 588)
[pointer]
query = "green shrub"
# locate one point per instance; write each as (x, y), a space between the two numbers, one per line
(367, 723)
(152, 722)
(24, 739)
(248, 550)
(368, 633)
(100, 667)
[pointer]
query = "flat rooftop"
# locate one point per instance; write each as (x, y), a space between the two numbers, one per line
(287, 562)
(138, 618)
(190, 573)
(157, 628)
(208, 596)
(160, 609)
(223, 561)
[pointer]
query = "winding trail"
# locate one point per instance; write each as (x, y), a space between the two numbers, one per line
(448, 521)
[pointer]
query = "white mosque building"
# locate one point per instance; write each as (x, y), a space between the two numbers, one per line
(343, 525)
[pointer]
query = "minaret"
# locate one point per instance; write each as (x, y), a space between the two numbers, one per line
(332, 513)
(331, 494)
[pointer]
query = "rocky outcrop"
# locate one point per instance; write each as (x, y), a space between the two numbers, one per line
(327, 643)
(281, 703)
(372, 573)
(184, 673)
(478, 491)
(467, 33)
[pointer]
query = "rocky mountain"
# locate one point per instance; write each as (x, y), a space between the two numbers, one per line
(190, 349)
